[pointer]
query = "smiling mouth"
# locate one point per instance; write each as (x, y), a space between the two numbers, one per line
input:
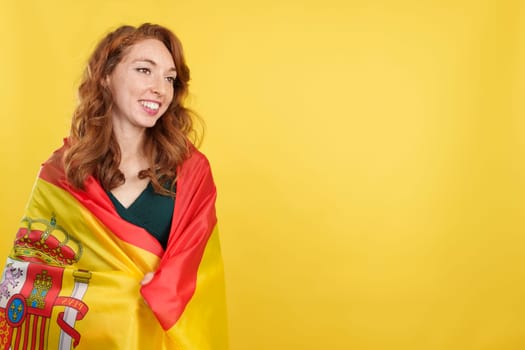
(153, 106)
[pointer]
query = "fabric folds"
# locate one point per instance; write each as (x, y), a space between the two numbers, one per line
(72, 280)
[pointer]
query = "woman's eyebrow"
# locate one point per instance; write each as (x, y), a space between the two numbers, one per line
(150, 61)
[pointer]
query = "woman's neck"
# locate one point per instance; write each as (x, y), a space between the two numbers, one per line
(131, 144)
(130, 140)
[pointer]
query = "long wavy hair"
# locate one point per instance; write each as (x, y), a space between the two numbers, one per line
(93, 149)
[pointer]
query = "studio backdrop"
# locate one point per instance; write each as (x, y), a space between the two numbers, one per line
(369, 157)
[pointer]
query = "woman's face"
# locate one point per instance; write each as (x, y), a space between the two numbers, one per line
(142, 85)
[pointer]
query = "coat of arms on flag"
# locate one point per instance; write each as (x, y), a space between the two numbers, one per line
(31, 284)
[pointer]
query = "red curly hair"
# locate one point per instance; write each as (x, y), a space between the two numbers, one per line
(93, 149)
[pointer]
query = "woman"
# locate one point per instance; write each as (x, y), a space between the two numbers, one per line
(118, 248)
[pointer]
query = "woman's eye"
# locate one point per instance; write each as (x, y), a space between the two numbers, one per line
(143, 70)
(170, 79)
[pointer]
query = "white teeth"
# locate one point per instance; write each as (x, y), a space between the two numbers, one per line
(150, 105)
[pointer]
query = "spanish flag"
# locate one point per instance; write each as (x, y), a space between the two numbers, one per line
(72, 280)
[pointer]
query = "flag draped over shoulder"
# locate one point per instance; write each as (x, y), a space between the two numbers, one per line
(73, 277)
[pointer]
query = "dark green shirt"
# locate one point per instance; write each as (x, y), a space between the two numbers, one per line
(151, 211)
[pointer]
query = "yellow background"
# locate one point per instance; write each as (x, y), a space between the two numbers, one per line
(369, 157)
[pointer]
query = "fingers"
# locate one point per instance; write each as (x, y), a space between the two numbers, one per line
(147, 278)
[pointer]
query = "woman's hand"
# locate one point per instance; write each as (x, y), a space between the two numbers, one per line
(147, 278)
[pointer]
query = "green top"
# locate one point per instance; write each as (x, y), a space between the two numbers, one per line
(151, 211)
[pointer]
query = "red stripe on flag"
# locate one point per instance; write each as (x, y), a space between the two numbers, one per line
(193, 222)
(26, 332)
(18, 336)
(43, 324)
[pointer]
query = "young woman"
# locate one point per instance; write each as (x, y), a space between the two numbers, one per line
(118, 247)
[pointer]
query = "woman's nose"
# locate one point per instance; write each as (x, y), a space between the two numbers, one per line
(159, 86)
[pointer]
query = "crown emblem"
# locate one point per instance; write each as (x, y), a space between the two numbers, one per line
(46, 242)
(41, 287)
